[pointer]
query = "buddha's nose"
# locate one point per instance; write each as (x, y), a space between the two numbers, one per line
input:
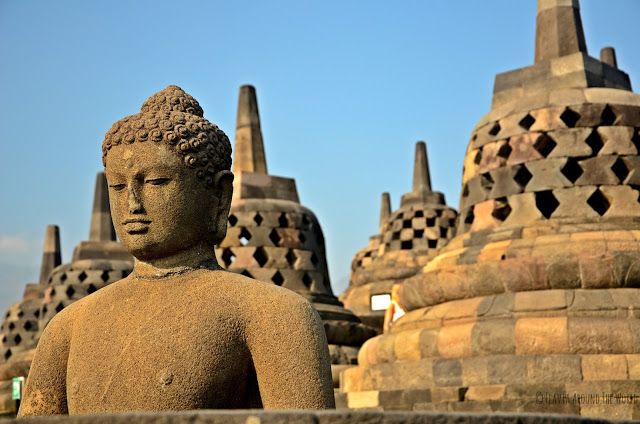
(135, 205)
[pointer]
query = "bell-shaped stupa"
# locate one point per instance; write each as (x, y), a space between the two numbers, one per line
(19, 329)
(273, 238)
(538, 294)
(409, 237)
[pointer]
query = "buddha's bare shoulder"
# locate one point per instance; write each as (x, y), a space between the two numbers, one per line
(258, 298)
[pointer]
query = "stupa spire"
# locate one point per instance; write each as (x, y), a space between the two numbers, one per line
(608, 56)
(558, 29)
(385, 208)
(249, 147)
(421, 177)
(101, 225)
(51, 255)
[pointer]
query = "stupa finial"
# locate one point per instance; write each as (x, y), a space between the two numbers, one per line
(249, 147)
(51, 255)
(608, 56)
(101, 225)
(558, 29)
(385, 208)
(421, 177)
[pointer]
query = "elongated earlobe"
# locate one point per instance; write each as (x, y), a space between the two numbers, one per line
(223, 184)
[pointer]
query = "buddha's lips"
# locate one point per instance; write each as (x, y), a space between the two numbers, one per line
(136, 225)
(136, 221)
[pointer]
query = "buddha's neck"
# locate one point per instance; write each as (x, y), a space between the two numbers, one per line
(201, 256)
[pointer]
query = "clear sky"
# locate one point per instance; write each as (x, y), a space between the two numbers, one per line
(345, 89)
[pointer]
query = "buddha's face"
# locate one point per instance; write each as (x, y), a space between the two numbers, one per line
(159, 207)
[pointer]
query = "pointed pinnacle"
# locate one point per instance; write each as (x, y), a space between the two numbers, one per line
(558, 29)
(101, 225)
(421, 177)
(249, 147)
(385, 208)
(51, 255)
(608, 56)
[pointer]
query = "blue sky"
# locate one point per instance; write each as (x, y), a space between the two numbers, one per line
(345, 89)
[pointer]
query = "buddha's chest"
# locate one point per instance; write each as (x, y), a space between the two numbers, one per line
(163, 358)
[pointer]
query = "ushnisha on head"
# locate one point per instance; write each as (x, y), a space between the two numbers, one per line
(168, 173)
(174, 118)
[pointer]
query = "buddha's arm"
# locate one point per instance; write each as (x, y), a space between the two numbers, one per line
(45, 392)
(290, 355)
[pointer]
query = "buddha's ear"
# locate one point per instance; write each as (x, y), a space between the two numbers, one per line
(223, 184)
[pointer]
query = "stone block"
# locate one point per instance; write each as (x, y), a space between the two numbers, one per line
(454, 341)
(407, 345)
(596, 272)
(567, 96)
(385, 349)
(547, 119)
(412, 375)
(614, 411)
(604, 367)
(523, 209)
(495, 336)
(597, 171)
(506, 369)
(592, 300)
(618, 198)
(351, 379)
(490, 159)
(522, 274)
(551, 369)
(522, 148)
(475, 371)
(617, 141)
(428, 343)
(489, 392)
(564, 273)
(504, 183)
(447, 372)
(541, 335)
(572, 202)
(367, 399)
(368, 352)
(570, 142)
(447, 394)
(540, 300)
(600, 335)
(633, 366)
(546, 174)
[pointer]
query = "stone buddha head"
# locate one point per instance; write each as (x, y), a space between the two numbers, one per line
(169, 181)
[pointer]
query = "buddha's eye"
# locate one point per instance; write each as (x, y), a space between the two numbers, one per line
(157, 181)
(117, 187)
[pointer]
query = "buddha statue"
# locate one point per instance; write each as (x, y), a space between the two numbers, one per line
(179, 332)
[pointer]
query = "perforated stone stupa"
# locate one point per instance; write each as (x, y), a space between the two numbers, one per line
(409, 237)
(273, 238)
(96, 262)
(538, 294)
(19, 329)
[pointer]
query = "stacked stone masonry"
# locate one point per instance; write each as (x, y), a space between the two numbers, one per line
(555, 162)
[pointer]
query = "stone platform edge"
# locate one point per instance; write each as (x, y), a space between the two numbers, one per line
(306, 416)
